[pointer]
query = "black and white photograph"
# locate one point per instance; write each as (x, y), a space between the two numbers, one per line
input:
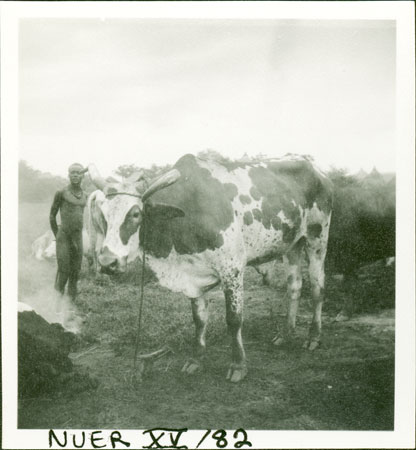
(208, 224)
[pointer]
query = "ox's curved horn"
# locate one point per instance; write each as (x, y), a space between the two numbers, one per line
(164, 181)
(96, 178)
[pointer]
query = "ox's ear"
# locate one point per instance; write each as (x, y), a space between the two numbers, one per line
(138, 180)
(141, 185)
(96, 178)
(135, 176)
(160, 211)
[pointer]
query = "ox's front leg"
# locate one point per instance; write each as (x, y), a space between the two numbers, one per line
(200, 316)
(234, 302)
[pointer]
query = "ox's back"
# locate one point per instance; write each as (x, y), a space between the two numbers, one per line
(219, 200)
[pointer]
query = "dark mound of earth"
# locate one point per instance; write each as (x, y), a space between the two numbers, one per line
(44, 366)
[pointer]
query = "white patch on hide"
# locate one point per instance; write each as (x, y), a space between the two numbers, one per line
(115, 210)
(284, 219)
(189, 274)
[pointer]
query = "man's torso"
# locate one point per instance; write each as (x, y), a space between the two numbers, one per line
(72, 210)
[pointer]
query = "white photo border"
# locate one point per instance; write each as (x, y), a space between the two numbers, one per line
(403, 13)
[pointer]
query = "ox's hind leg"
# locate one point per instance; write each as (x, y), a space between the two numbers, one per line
(234, 303)
(200, 316)
(293, 265)
(316, 251)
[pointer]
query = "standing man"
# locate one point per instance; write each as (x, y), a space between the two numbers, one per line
(71, 202)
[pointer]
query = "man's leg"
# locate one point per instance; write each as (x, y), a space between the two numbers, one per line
(62, 259)
(75, 264)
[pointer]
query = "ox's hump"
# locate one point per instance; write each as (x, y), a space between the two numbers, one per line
(207, 204)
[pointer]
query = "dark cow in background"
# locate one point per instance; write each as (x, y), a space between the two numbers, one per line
(203, 222)
(363, 228)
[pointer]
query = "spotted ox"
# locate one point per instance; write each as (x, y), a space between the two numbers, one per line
(203, 222)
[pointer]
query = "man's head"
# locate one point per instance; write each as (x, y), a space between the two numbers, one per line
(76, 173)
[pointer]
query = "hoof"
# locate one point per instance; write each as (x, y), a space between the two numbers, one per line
(288, 341)
(135, 380)
(278, 341)
(192, 366)
(135, 377)
(236, 373)
(341, 317)
(311, 344)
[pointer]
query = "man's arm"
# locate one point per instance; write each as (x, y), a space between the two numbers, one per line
(54, 211)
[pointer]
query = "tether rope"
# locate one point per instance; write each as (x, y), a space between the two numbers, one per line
(139, 321)
(113, 194)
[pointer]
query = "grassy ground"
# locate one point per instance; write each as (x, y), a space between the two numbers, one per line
(346, 384)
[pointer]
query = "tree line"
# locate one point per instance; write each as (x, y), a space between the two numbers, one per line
(37, 186)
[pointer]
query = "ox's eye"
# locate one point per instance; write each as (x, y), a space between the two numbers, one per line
(130, 224)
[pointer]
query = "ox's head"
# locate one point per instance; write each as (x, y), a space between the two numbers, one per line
(123, 208)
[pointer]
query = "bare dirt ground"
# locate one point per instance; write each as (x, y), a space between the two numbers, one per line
(346, 384)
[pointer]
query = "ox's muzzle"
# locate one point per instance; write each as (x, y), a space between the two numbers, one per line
(110, 263)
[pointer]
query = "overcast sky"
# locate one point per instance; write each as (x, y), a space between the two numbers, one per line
(123, 91)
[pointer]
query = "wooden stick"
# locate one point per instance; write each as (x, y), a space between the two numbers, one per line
(155, 355)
